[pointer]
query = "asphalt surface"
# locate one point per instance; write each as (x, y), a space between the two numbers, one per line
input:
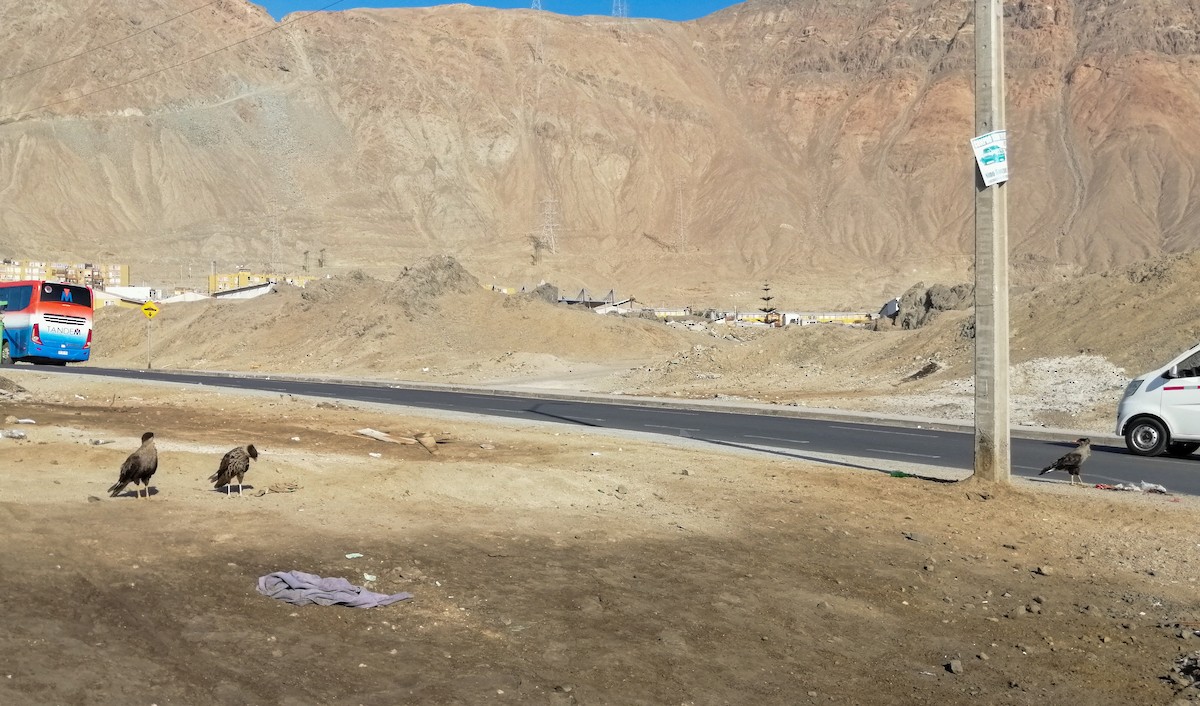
(937, 448)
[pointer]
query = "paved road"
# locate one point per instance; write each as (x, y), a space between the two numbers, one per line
(843, 439)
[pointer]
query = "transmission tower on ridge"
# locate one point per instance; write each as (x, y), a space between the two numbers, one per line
(537, 5)
(620, 8)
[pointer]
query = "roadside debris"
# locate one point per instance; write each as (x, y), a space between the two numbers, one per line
(13, 434)
(299, 588)
(426, 440)
(354, 555)
(286, 487)
(1142, 487)
(384, 436)
(101, 442)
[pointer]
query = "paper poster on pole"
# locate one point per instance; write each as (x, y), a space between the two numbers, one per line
(991, 154)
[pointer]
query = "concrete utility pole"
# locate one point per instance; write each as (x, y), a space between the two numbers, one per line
(992, 451)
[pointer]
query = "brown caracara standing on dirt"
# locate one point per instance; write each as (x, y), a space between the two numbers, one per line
(1072, 460)
(138, 468)
(234, 465)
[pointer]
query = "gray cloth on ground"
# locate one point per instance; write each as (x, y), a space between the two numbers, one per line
(299, 588)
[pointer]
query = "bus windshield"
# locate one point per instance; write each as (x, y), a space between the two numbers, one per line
(68, 293)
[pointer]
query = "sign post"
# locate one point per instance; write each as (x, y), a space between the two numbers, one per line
(150, 309)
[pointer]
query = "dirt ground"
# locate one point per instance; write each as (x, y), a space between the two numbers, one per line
(554, 566)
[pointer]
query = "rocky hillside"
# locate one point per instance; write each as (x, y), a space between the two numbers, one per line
(821, 145)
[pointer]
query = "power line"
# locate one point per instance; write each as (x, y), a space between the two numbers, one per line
(172, 66)
(105, 46)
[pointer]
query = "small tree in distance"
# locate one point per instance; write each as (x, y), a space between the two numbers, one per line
(767, 309)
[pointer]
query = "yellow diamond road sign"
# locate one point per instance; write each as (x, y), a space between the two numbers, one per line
(149, 309)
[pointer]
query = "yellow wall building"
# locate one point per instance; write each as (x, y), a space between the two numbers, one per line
(85, 273)
(223, 281)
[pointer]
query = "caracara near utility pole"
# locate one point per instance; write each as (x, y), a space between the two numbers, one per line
(1072, 460)
(234, 465)
(138, 468)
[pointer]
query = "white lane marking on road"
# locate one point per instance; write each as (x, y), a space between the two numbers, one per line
(901, 453)
(776, 438)
(658, 409)
(660, 426)
(506, 411)
(880, 431)
(1177, 461)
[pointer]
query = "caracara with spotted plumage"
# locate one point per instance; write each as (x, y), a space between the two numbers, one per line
(1071, 461)
(138, 468)
(234, 464)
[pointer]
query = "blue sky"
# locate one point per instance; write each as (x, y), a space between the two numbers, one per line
(663, 9)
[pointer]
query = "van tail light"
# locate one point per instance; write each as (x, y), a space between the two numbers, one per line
(88, 342)
(37, 335)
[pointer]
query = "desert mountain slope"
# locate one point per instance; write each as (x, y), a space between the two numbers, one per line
(822, 145)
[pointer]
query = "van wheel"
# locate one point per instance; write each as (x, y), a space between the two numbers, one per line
(1181, 448)
(4, 357)
(1146, 437)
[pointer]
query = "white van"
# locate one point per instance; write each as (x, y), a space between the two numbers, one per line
(1160, 411)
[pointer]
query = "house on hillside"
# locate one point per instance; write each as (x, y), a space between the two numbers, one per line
(587, 300)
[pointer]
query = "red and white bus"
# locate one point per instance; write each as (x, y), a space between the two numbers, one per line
(45, 322)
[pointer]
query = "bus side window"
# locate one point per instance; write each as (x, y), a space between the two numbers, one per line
(17, 297)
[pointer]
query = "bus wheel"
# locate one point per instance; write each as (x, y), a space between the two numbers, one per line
(4, 359)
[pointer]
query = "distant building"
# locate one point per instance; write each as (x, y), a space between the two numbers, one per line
(224, 281)
(140, 294)
(891, 308)
(247, 292)
(585, 299)
(84, 273)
